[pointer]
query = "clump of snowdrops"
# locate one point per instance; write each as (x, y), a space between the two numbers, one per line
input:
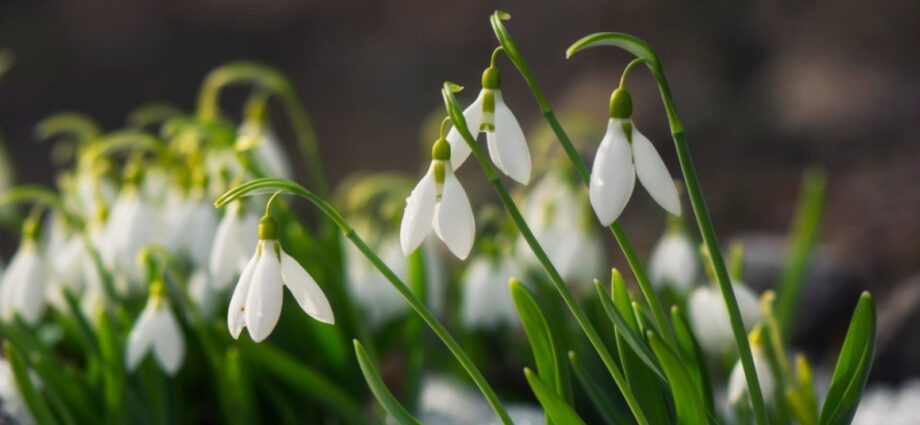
(171, 277)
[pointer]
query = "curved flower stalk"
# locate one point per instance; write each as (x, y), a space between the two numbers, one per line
(625, 153)
(560, 220)
(233, 241)
(156, 330)
(710, 321)
(490, 115)
(439, 202)
(22, 289)
(674, 262)
(256, 301)
(486, 300)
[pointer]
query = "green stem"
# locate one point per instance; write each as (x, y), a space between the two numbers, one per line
(511, 50)
(460, 124)
(642, 50)
(275, 82)
(397, 283)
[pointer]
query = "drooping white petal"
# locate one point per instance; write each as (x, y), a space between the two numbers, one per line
(709, 317)
(673, 262)
(202, 292)
(305, 290)
(487, 301)
(376, 296)
(23, 285)
(510, 145)
(141, 337)
(168, 344)
(654, 174)
(236, 314)
(459, 150)
(263, 305)
(200, 236)
(419, 212)
(613, 176)
(271, 153)
(227, 248)
(737, 384)
(454, 221)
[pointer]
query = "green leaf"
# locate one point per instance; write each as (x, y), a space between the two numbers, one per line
(853, 366)
(802, 239)
(556, 408)
(538, 333)
(37, 404)
(626, 330)
(380, 390)
(693, 357)
(596, 393)
(110, 346)
(687, 401)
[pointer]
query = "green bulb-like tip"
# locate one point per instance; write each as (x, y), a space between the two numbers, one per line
(268, 228)
(441, 150)
(620, 104)
(491, 78)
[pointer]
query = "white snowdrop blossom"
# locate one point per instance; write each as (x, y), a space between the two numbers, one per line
(710, 321)
(737, 384)
(674, 261)
(561, 222)
(233, 242)
(486, 299)
(156, 330)
(256, 301)
(439, 202)
(505, 139)
(195, 227)
(267, 148)
(22, 289)
(133, 224)
(203, 292)
(624, 154)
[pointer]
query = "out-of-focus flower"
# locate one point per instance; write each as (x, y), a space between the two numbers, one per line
(504, 137)
(623, 154)
(232, 243)
(486, 301)
(268, 150)
(558, 215)
(439, 202)
(709, 317)
(203, 292)
(256, 301)
(195, 225)
(156, 330)
(674, 261)
(133, 224)
(22, 289)
(13, 407)
(737, 384)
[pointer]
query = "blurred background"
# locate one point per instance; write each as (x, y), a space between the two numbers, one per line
(765, 89)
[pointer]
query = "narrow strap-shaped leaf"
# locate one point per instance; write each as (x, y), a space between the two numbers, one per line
(555, 407)
(380, 390)
(624, 329)
(687, 402)
(538, 333)
(801, 396)
(596, 393)
(37, 404)
(110, 346)
(853, 366)
(693, 356)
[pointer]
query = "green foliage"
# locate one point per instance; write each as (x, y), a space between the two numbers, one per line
(853, 366)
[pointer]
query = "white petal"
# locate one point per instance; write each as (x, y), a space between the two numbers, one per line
(236, 314)
(227, 248)
(141, 338)
(613, 176)
(202, 292)
(201, 235)
(454, 222)
(654, 174)
(673, 262)
(263, 305)
(709, 317)
(419, 212)
(271, 153)
(305, 290)
(459, 150)
(737, 383)
(25, 281)
(169, 346)
(492, 143)
(511, 146)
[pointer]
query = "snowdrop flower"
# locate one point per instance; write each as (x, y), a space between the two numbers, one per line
(504, 137)
(232, 243)
(709, 317)
(674, 262)
(22, 289)
(487, 302)
(133, 224)
(737, 384)
(560, 219)
(625, 153)
(256, 301)
(195, 226)
(439, 202)
(156, 330)
(268, 150)
(202, 292)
